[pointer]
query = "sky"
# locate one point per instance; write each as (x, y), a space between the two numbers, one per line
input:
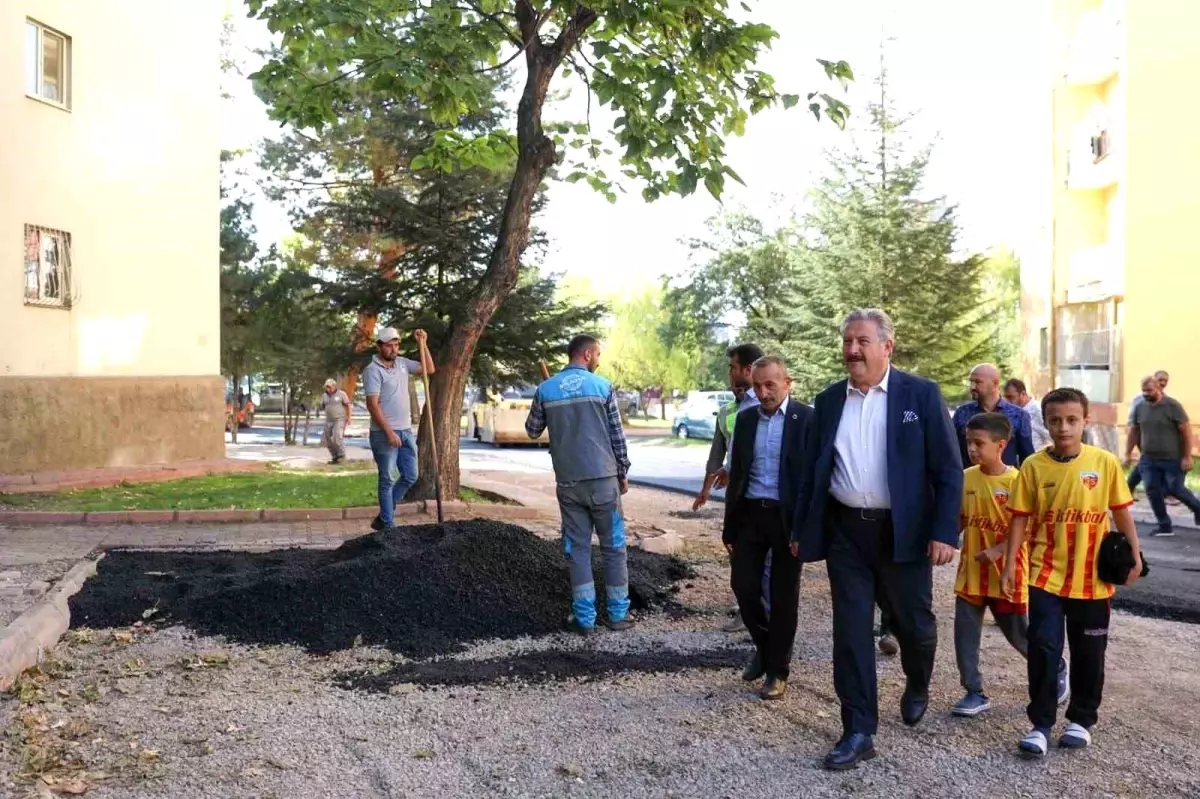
(975, 75)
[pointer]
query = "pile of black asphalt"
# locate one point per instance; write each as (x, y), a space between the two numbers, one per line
(423, 592)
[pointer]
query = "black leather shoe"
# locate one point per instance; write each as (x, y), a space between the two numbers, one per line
(774, 688)
(754, 669)
(849, 751)
(377, 524)
(913, 706)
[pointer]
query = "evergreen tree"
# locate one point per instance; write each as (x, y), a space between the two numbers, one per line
(404, 245)
(873, 239)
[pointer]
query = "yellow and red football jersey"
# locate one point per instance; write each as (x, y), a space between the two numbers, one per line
(1068, 504)
(985, 519)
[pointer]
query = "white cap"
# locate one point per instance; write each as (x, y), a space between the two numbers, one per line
(387, 334)
(331, 383)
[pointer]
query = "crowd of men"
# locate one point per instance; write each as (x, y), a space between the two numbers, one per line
(870, 479)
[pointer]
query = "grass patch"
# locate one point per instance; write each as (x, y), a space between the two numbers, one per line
(656, 424)
(674, 442)
(254, 490)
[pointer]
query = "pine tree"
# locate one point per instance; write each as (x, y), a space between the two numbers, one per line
(872, 239)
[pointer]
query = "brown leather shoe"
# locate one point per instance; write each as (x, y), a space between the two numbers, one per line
(774, 688)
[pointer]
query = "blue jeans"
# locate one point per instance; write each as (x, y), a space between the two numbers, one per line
(1163, 479)
(397, 470)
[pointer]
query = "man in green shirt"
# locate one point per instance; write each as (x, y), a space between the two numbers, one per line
(1160, 428)
(716, 473)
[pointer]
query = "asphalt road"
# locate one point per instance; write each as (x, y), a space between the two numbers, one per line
(1172, 588)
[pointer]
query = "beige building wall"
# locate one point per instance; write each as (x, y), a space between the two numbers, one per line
(129, 373)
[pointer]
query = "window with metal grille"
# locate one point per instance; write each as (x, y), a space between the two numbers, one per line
(47, 267)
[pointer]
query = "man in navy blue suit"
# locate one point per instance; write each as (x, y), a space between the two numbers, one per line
(769, 442)
(880, 492)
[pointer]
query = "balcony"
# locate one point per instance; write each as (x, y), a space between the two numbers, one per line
(1095, 52)
(1095, 274)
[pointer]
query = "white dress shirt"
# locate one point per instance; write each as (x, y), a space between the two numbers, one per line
(860, 449)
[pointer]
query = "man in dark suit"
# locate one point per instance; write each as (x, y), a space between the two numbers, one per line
(880, 493)
(768, 443)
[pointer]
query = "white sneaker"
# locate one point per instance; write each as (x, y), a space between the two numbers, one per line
(1033, 745)
(1075, 737)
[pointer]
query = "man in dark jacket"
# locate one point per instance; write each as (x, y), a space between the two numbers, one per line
(881, 489)
(768, 443)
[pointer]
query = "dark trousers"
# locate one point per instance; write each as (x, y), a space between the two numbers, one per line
(861, 566)
(760, 530)
(1165, 479)
(1087, 633)
(1135, 478)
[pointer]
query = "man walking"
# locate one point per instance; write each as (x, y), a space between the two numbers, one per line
(741, 367)
(591, 464)
(759, 514)
(1135, 474)
(336, 406)
(985, 398)
(716, 472)
(1015, 393)
(879, 500)
(1162, 430)
(386, 383)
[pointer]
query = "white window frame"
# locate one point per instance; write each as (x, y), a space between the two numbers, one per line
(46, 285)
(64, 77)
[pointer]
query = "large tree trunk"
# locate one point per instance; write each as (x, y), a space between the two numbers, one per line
(535, 155)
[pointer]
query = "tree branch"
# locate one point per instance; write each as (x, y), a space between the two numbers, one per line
(582, 19)
(499, 23)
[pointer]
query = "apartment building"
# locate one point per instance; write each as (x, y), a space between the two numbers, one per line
(1114, 296)
(109, 226)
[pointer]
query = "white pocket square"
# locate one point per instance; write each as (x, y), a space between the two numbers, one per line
(910, 416)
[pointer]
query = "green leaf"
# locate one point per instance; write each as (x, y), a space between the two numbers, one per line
(715, 183)
(790, 100)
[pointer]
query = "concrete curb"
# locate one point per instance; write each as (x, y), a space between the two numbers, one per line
(235, 516)
(26, 639)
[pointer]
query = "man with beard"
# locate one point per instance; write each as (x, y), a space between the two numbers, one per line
(386, 383)
(985, 398)
(741, 365)
(879, 500)
(591, 464)
(1135, 474)
(716, 473)
(1163, 432)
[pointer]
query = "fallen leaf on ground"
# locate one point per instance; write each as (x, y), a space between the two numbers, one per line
(424, 754)
(214, 657)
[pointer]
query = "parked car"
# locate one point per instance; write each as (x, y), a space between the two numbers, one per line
(698, 417)
(500, 419)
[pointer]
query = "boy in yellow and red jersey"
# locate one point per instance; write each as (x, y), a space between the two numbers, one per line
(987, 486)
(1063, 496)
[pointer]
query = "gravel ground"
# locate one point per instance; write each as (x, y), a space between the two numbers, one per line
(165, 714)
(23, 585)
(138, 712)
